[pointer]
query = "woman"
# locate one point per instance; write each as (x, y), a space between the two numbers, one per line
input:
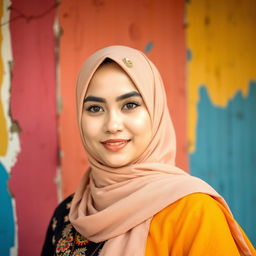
(133, 200)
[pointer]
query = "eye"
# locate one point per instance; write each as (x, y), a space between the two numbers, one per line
(94, 109)
(130, 105)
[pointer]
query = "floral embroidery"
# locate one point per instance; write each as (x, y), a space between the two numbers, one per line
(71, 243)
(80, 240)
(53, 240)
(54, 223)
(66, 240)
(67, 230)
(79, 252)
(64, 244)
(66, 253)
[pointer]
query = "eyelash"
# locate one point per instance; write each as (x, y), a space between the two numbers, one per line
(125, 107)
(134, 105)
(90, 108)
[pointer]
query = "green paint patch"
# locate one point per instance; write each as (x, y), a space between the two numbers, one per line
(225, 154)
(6, 215)
(188, 54)
(149, 46)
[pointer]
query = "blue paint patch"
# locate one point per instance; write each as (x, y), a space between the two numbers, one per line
(148, 47)
(225, 154)
(188, 55)
(7, 228)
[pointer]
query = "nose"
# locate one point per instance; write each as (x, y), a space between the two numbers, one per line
(114, 122)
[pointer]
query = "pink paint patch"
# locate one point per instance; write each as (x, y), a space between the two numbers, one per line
(33, 106)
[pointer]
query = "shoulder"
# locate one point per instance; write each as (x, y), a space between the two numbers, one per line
(197, 199)
(194, 225)
(58, 223)
(60, 216)
(63, 207)
(194, 209)
(196, 213)
(198, 202)
(192, 204)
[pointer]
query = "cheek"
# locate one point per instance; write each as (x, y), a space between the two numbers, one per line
(141, 124)
(90, 128)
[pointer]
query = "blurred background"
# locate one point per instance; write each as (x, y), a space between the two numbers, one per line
(205, 51)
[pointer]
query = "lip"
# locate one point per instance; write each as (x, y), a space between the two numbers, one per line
(115, 144)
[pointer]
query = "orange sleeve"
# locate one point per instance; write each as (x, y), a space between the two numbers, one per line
(193, 226)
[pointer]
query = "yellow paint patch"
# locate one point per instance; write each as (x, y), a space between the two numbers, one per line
(3, 124)
(221, 39)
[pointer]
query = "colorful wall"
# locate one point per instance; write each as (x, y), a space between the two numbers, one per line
(205, 53)
(28, 124)
(221, 86)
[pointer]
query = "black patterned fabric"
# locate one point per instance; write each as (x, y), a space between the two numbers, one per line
(63, 240)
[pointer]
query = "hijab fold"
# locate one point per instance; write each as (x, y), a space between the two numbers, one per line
(116, 205)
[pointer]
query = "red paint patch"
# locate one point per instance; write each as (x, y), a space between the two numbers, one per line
(33, 106)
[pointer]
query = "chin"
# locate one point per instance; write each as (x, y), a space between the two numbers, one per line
(117, 163)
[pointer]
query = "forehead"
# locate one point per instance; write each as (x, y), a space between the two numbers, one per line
(111, 79)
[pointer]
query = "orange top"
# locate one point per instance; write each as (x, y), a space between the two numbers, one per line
(194, 225)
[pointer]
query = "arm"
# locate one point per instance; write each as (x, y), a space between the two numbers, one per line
(193, 226)
(204, 229)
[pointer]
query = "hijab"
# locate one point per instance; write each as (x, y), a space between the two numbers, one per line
(115, 204)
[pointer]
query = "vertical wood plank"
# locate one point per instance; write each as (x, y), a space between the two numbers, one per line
(33, 107)
(221, 101)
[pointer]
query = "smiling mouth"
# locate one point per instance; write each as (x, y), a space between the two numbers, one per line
(115, 144)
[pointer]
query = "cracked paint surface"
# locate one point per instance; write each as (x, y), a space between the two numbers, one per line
(221, 58)
(28, 109)
(221, 43)
(9, 143)
(225, 152)
(33, 111)
(7, 225)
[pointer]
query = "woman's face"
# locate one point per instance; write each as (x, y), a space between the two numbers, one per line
(115, 122)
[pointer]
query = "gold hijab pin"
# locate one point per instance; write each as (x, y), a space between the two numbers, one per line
(128, 63)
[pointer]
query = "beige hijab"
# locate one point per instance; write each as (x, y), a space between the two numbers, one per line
(116, 205)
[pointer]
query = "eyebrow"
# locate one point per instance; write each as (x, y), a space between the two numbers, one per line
(94, 98)
(119, 98)
(128, 95)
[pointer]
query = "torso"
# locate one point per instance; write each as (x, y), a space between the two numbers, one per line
(194, 225)
(63, 240)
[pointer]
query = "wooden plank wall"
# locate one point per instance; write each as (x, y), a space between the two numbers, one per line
(44, 43)
(9, 142)
(222, 101)
(30, 114)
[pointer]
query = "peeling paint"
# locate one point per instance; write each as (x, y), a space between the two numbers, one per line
(7, 224)
(34, 120)
(3, 125)
(225, 153)
(13, 146)
(9, 145)
(221, 38)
